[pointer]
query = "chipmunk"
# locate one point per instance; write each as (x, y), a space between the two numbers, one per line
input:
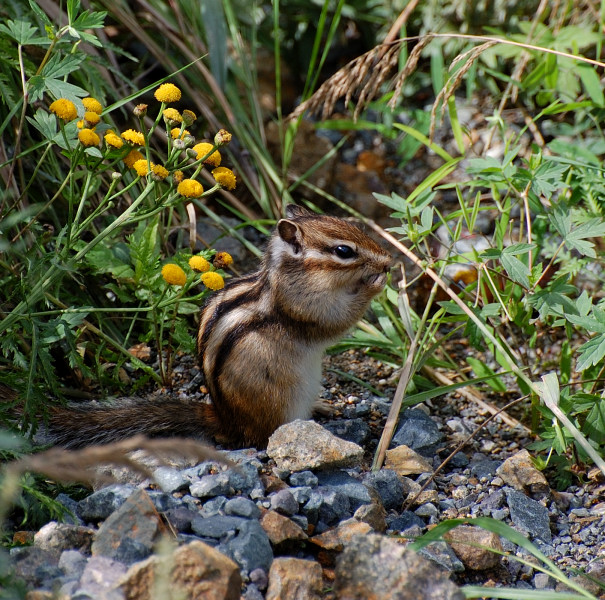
(260, 340)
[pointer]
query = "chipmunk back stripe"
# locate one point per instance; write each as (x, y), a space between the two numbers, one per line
(240, 292)
(230, 340)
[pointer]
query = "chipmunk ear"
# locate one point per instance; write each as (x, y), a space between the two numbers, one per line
(290, 233)
(293, 211)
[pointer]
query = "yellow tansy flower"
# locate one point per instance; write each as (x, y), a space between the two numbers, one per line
(177, 176)
(222, 260)
(134, 137)
(213, 281)
(132, 157)
(92, 105)
(173, 274)
(88, 137)
(190, 188)
(199, 263)
(64, 109)
(159, 171)
(172, 114)
(91, 118)
(176, 133)
(167, 92)
(111, 139)
(140, 166)
(224, 177)
(202, 150)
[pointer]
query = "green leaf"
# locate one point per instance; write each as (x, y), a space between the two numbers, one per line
(58, 66)
(516, 270)
(553, 299)
(482, 370)
(45, 123)
(591, 353)
(103, 259)
(591, 83)
(22, 32)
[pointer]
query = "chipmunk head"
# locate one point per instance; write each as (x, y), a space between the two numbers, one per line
(326, 261)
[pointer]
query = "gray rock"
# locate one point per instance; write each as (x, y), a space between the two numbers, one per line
(303, 479)
(284, 502)
(70, 516)
(216, 527)
(404, 521)
(493, 501)
(180, 518)
(442, 554)
(335, 506)
(102, 503)
(372, 566)
(100, 578)
(130, 533)
(57, 537)
(210, 486)
(352, 430)
(242, 507)
(163, 501)
(250, 548)
(72, 563)
(245, 479)
(357, 493)
(485, 468)
(301, 494)
(32, 564)
(529, 515)
(389, 487)
(417, 431)
(213, 507)
(169, 479)
(303, 445)
(428, 510)
(459, 460)
(259, 578)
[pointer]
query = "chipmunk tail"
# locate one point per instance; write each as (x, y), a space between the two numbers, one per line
(76, 426)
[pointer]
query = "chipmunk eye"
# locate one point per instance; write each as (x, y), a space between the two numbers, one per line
(343, 251)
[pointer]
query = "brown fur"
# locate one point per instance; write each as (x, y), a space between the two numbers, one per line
(260, 341)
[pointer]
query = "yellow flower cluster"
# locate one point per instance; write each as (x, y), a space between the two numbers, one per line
(190, 188)
(172, 115)
(113, 140)
(199, 263)
(176, 133)
(203, 149)
(140, 166)
(92, 105)
(173, 274)
(132, 157)
(168, 93)
(88, 137)
(64, 109)
(159, 171)
(133, 137)
(224, 177)
(213, 280)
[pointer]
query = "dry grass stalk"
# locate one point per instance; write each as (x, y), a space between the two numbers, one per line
(80, 465)
(454, 82)
(408, 68)
(363, 75)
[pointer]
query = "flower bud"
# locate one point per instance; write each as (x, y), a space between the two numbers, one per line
(140, 110)
(222, 138)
